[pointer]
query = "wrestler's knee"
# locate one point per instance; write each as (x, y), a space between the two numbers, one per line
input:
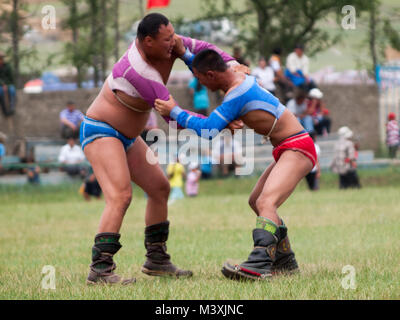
(121, 199)
(266, 203)
(165, 189)
(160, 191)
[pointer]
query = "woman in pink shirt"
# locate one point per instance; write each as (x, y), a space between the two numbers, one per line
(192, 180)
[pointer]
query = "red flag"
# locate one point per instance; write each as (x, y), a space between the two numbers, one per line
(157, 4)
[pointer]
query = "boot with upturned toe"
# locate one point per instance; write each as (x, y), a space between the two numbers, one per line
(158, 262)
(285, 261)
(103, 266)
(258, 265)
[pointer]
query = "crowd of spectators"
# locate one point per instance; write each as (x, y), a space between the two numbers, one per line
(293, 85)
(300, 94)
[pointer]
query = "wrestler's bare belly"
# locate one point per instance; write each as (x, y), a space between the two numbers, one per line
(108, 109)
(262, 122)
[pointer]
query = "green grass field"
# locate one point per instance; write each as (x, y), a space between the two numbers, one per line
(328, 229)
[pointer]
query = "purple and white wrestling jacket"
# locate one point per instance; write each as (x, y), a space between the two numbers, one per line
(135, 77)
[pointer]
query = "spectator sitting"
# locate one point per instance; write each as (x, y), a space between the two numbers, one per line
(3, 139)
(200, 97)
(319, 113)
(150, 125)
(297, 69)
(32, 171)
(192, 181)
(281, 81)
(298, 106)
(7, 88)
(91, 188)
(72, 157)
(392, 135)
(275, 63)
(70, 119)
(265, 75)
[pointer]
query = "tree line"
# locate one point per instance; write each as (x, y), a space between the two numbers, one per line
(269, 24)
(95, 29)
(95, 35)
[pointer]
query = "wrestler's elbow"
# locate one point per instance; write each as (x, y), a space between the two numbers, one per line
(209, 133)
(213, 132)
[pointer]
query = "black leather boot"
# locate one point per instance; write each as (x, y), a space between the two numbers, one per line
(285, 261)
(103, 266)
(260, 261)
(158, 261)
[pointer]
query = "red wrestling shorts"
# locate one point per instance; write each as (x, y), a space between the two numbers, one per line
(301, 142)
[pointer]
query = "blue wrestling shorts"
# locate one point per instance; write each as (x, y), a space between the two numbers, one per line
(93, 129)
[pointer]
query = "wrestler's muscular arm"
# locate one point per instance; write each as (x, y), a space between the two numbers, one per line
(219, 119)
(151, 90)
(186, 48)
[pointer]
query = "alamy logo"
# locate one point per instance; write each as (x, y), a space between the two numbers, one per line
(224, 147)
(49, 280)
(349, 281)
(49, 20)
(349, 20)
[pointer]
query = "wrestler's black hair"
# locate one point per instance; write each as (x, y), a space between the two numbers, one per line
(207, 60)
(150, 25)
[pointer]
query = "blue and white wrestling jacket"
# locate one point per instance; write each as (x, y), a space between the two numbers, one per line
(246, 97)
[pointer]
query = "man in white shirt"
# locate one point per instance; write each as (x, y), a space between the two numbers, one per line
(265, 75)
(72, 157)
(298, 61)
(298, 67)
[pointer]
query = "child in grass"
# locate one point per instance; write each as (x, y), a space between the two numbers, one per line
(176, 174)
(192, 181)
